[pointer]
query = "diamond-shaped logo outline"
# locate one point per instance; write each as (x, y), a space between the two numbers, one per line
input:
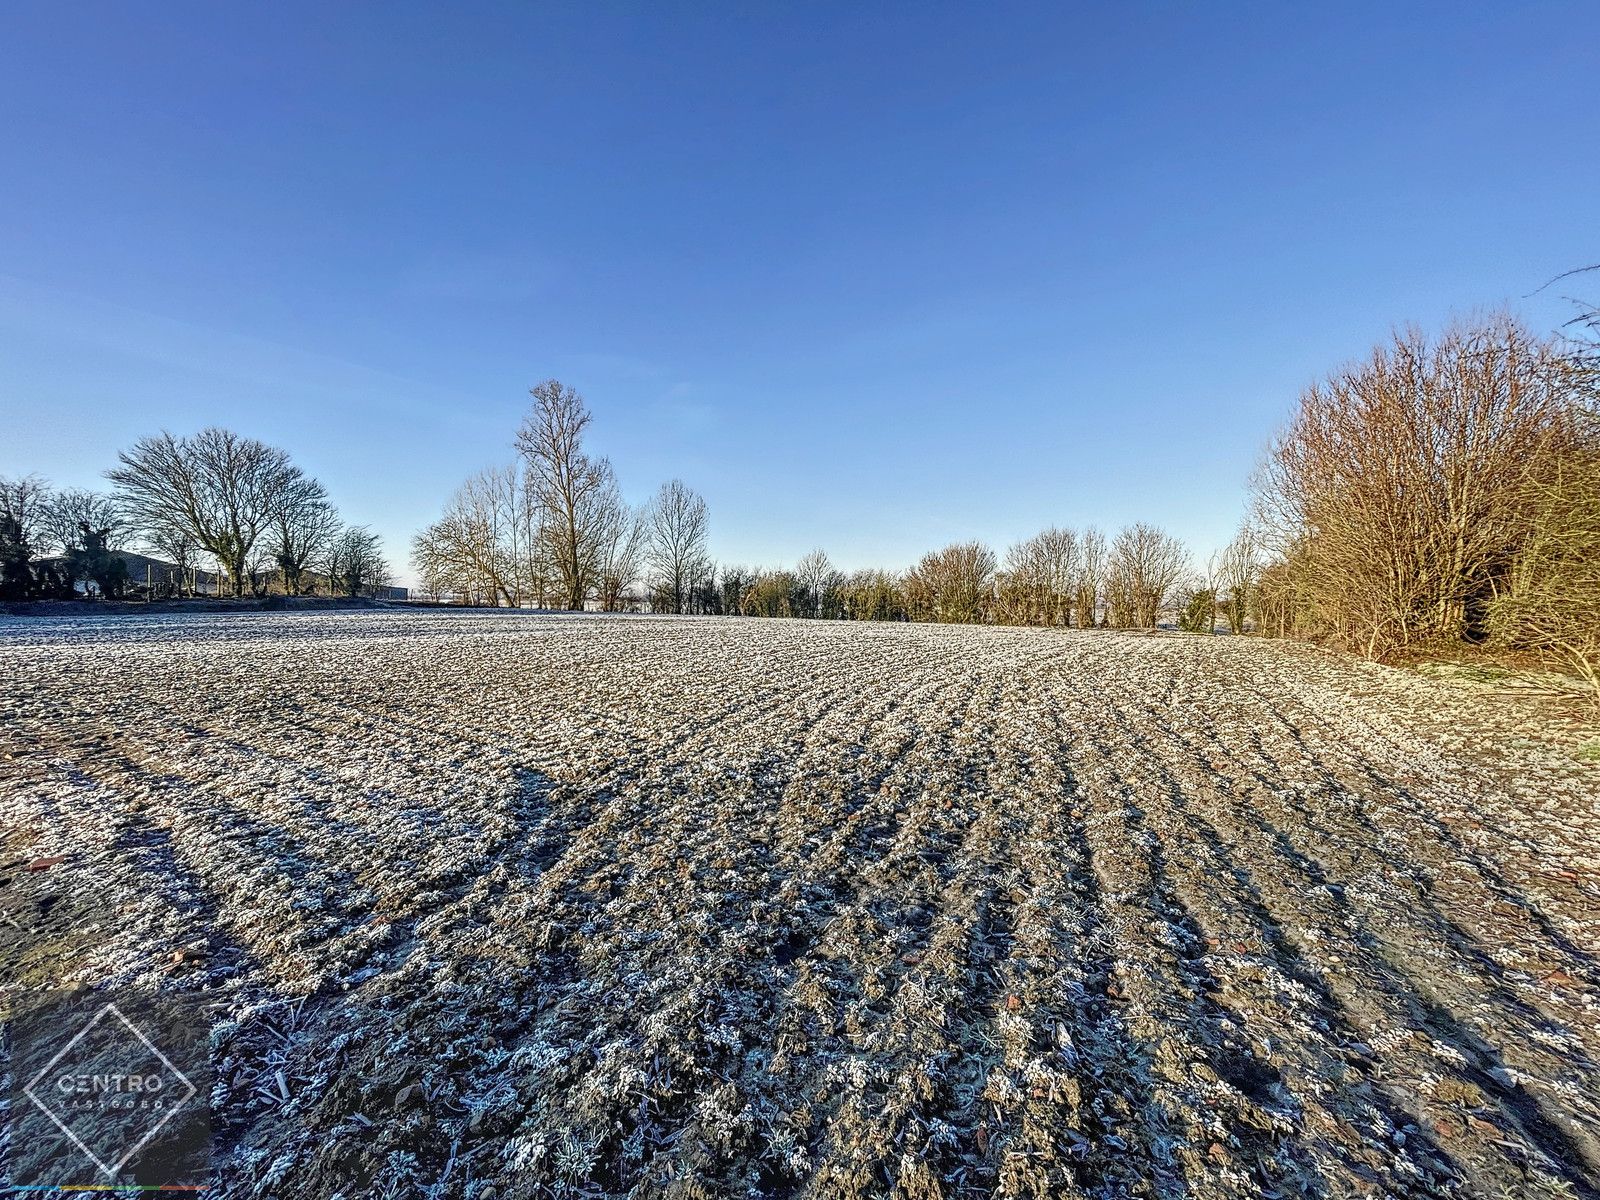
(110, 1171)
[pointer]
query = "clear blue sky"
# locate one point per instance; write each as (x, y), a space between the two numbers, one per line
(870, 277)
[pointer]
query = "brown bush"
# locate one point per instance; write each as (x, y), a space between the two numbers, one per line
(955, 584)
(1398, 497)
(1551, 600)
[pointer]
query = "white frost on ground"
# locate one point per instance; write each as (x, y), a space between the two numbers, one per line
(516, 905)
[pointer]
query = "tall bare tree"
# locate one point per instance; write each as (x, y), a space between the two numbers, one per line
(677, 543)
(224, 489)
(569, 487)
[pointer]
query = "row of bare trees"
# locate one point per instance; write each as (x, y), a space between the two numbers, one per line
(552, 529)
(1441, 490)
(214, 499)
(1059, 577)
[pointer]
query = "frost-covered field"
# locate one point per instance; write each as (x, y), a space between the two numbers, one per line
(510, 905)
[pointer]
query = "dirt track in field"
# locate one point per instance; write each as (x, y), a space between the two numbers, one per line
(504, 906)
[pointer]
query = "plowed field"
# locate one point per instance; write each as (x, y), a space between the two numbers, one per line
(514, 905)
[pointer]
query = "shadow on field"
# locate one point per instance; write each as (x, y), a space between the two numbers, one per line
(1573, 1156)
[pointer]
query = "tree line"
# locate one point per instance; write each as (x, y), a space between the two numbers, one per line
(1442, 490)
(552, 530)
(216, 499)
(1059, 577)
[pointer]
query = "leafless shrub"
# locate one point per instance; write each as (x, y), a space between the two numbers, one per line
(773, 594)
(1396, 497)
(954, 585)
(873, 595)
(1145, 564)
(1551, 599)
(1040, 577)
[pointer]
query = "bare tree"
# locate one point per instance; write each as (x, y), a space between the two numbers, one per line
(1091, 576)
(224, 489)
(954, 585)
(1145, 564)
(621, 543)
(568, 486)
(355, 565)
(1121, 604)
(531, 545)
(1238, 578)
(22, 505)
(179, 546)
(815, 573)
(1039, 580)
(299, 535)
(496, 500)
(24, 500)
(677, 542)
(65, 513)
(471, 550)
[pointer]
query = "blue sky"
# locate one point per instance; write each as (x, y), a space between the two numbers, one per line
(870, 277)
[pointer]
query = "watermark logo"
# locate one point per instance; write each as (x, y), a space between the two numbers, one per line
(112, 1093)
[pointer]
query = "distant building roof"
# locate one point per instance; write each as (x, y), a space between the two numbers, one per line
(137, 565)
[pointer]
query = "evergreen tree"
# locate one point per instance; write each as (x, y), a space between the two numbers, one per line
(16, 578)
(91, 560)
